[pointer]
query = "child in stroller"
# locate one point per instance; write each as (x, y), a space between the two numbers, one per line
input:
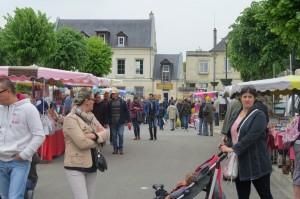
(206, 177)
(181, 187)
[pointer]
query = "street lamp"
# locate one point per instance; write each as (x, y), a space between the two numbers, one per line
(226, 55)
(226, 81)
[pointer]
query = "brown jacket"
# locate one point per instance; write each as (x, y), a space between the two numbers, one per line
(78, 148)
(210, 109)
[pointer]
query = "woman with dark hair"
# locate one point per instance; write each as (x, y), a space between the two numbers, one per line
(246, 137)
(83, 134)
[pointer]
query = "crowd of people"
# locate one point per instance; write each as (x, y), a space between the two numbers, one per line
(89, 119)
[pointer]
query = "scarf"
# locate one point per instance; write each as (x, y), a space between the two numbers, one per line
(86, 117)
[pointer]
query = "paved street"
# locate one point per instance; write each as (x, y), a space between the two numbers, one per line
(167, 160)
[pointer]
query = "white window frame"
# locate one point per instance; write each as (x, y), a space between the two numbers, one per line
(229, 68)
(102, 35)
(121, 41)
(139, 66)
(120, 65)
(203, 67)
(165, 73)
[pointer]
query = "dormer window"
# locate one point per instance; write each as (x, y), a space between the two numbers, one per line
(165, 73)
(121, 41)
(102, 35)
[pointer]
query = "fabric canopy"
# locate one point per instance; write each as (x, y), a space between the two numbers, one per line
(26, 73)
(280, 85)
(211, 94)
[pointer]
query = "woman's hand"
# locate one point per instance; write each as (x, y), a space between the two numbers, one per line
(225, 149)
(90, 136)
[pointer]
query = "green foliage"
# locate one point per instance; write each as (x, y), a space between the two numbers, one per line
(27, 38)
(253, 48)
(283, 17)
(99, 57)
(71, 53)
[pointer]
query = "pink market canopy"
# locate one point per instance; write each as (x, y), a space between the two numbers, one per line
(211, 94)
(25, 73)
(280, 85)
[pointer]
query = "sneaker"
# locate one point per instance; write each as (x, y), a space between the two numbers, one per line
(121, 152)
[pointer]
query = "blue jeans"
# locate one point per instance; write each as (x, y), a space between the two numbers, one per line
(160, 123)
(13, 177)
(117, 131)
(136, 128)
(185, 121)
(216, 118)
(201, 120)
(152, 122)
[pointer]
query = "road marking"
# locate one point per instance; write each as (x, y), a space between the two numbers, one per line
(144, 188)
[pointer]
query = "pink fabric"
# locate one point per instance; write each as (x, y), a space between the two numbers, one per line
(20, 96)
(292, 154)
(233, 130)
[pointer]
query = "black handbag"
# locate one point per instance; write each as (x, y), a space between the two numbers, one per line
(100, 161)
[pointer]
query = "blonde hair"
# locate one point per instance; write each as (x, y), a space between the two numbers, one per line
(189, 178)
(83, 94)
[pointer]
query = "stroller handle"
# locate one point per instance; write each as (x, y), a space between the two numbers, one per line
(221, 156)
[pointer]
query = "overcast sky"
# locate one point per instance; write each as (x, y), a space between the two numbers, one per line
(180, 25)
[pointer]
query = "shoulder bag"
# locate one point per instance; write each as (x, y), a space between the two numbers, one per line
(100, 160)
(231, 165)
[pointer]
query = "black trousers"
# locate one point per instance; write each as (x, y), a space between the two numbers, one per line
(262, 186)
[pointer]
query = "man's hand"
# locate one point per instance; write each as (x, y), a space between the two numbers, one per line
(18, 157)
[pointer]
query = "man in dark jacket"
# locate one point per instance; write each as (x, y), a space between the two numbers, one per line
(152, 111)
(118, 115)
(201, 117)
(185, 114)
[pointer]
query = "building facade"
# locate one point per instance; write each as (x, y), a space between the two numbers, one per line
(135, 60)
(204, 67)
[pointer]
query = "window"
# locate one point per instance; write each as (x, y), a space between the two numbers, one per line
(203, 68)
(192, 85)
(165, 73)
(203, 85)
(228, 65)
(102, 35)
(121, 66)
(139, 66)
(121, 41)
(139, 91)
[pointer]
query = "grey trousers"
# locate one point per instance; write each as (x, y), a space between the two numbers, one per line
(82, 184)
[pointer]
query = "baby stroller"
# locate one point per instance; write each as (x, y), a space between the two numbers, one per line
(207, 178)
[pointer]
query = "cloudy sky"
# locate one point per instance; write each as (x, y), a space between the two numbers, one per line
(180, 25)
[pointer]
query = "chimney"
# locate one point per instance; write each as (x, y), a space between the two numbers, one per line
(151, 15)
(215, 37)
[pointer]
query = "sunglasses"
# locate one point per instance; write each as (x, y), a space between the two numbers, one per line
(3, 91)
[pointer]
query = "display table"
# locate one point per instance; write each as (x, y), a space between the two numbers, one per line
(53, 145)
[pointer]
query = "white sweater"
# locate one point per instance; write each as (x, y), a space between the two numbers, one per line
(21, 130)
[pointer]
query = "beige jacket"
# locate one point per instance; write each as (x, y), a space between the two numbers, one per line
(172, 112)
(78, 148)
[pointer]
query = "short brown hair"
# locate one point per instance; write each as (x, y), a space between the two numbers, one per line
(7, 84)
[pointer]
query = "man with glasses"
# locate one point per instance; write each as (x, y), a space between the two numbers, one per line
(21, 134)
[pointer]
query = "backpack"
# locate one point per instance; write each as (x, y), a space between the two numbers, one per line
(291, 133)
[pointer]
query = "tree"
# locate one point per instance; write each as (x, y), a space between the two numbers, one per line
(71, 52)
(27, 38)
(283, 17)
(253, 48)
(99, 57)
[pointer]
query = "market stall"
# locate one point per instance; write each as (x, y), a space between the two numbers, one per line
(54, 142)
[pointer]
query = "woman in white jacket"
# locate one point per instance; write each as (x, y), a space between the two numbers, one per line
(172, 112)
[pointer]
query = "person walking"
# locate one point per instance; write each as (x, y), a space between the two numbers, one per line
(246, 137)
(83, 134)
(152, 110)
(201, 117)
(185, 114)
(217, 110)
(118, 115)
(161, 115)
(136, 108)
(208, 112)
(21, 134)
(172, 111)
